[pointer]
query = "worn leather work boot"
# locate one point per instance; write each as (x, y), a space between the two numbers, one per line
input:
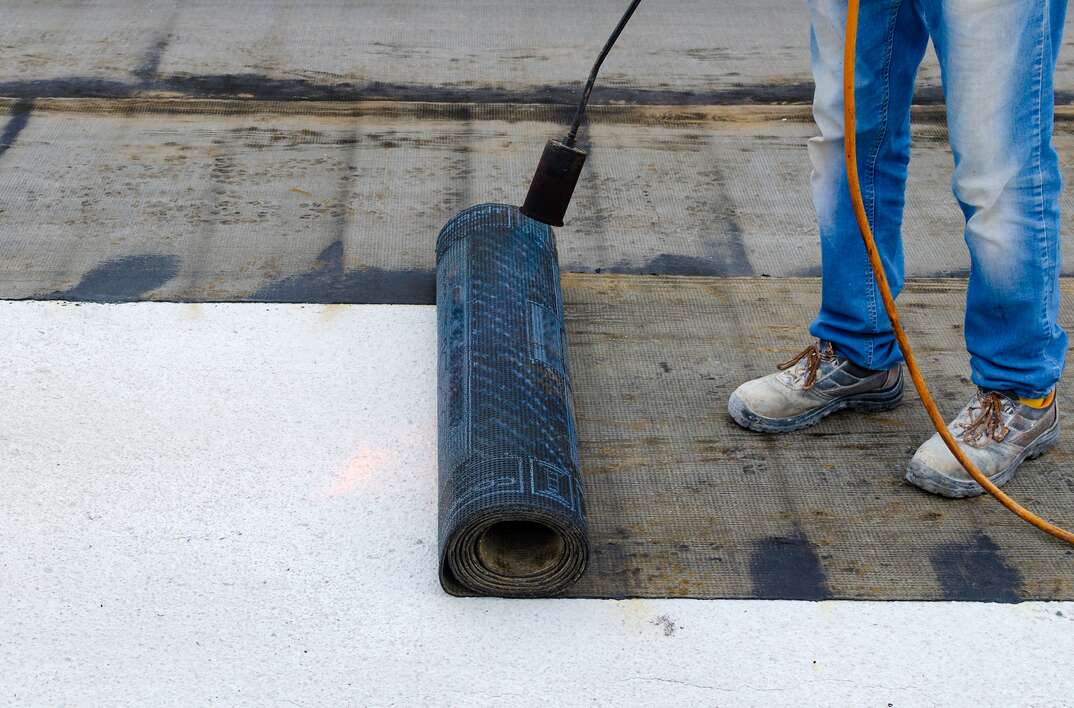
(997, 432)
(812, 385)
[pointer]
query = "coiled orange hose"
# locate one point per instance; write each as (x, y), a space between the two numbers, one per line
(889, 302)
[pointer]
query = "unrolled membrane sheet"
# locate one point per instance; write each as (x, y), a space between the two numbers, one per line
(233, 202)
(512, 520)
(684, 503)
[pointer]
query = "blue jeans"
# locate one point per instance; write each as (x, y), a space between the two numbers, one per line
(997, 60)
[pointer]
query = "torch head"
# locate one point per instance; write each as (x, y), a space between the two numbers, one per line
(553, 183)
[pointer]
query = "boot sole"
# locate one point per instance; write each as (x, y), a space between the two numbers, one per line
(924, 477)
(871, 402)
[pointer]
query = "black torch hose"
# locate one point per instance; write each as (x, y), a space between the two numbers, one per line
(580, 113)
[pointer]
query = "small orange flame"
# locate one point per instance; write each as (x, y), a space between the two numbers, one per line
(367, 469)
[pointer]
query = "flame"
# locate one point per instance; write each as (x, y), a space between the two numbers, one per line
(366, 469)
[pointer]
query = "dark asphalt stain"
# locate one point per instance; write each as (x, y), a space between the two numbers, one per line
(719, 232)
(812, 271)
(614, 565)
(714, 228)
(329, 283)
(672, 264)
(954, 273)
(256, 86)
(19, 118)
(460, 176)
(147, 68)
(787, 568)
(731, 250)
(976, 571)
(260, 87)
(345, 194)
(72, 87)
(122, 279)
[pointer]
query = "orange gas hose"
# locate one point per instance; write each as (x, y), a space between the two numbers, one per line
(889, 302)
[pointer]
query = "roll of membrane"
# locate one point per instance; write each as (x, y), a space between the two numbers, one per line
(511, 513)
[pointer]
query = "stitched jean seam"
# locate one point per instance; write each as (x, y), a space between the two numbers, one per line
(1043, 241)
(889, 47)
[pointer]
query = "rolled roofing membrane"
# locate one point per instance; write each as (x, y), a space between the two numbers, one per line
(512, 519)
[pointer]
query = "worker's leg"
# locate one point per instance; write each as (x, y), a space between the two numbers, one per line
(892, 38)
(998, 62)
(855, 366)
(998, 59)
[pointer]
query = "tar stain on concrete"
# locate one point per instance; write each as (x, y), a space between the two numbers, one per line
(122, 279)
(458, 193)
(722, 238)
(675, 264)
(812, 271)
(976, 571)
(328, 282)
(147, 69)
(615, 567)
(19, 118)
(787, 568)
(257, 86)
(723, 243)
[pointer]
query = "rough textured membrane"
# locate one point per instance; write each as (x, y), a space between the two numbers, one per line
(693, 51)
(684, 503)
(134, 202)
(512, 517)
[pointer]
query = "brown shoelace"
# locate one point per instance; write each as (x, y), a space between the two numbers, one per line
(814, 358)
(989, 421)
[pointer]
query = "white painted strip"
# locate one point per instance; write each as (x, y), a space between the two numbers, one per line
(235, 504)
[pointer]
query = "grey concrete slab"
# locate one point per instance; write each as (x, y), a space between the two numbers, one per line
(118, 201)
(675, 51)
(248, 518)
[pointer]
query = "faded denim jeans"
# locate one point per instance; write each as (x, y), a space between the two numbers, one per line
(997, 59)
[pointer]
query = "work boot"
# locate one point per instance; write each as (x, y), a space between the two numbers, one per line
(997, 432)
(812, 385)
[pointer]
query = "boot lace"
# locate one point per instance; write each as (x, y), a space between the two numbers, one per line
(989, 420)
(813, 356)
